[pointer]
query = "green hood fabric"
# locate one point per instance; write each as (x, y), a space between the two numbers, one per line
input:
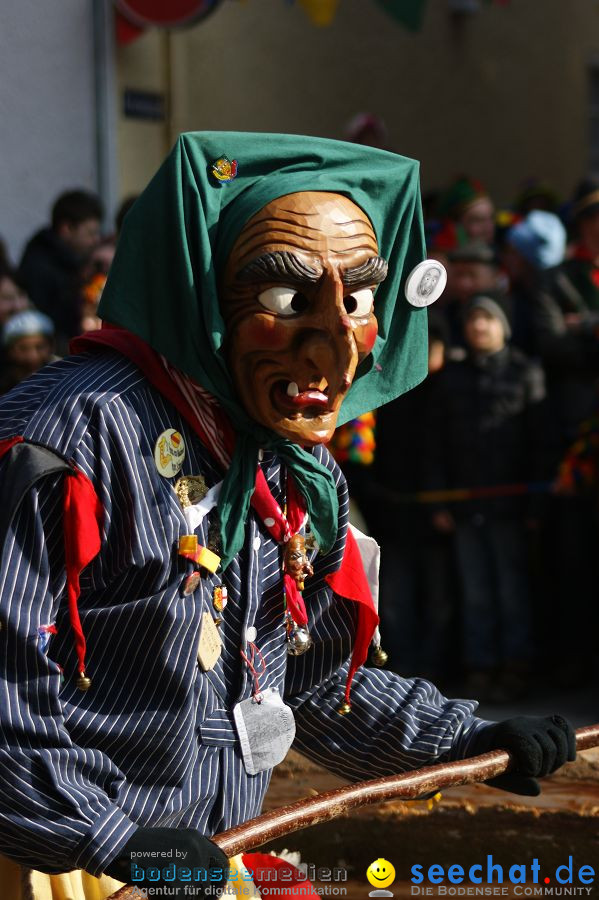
(163, 284)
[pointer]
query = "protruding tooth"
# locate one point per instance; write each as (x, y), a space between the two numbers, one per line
(292, 389)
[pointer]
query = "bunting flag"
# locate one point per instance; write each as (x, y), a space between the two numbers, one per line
(174, 14)
(133, 16)
(409, 12)
(125, 31)
(321, 12)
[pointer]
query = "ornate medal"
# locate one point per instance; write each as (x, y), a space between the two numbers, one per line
(224, 169)
(219, 598)
(190, 489)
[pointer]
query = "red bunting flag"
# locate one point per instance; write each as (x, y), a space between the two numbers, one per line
(133, 16)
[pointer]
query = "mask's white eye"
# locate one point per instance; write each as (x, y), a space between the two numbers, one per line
(284, 301)
(359, 303)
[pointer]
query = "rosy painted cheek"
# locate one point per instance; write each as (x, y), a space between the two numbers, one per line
(367, 336)
(264, 332)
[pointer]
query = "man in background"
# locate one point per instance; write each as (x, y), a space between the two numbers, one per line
(51, 267)
(472, 269)
(487, 429)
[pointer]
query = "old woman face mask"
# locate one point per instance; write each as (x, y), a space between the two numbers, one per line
(298, 305)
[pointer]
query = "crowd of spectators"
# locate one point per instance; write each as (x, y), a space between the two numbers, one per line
(53, 293)
(481, 483)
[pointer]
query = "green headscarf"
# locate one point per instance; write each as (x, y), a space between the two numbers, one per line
(163, 284)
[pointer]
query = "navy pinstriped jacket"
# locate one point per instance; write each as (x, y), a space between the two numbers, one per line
(152, 742)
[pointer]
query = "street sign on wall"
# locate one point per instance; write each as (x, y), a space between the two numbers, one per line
(143, 105)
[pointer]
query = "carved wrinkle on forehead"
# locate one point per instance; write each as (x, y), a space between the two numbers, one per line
(262, 230)
(294, 231)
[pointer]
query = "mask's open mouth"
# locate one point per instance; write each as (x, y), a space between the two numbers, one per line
(287, 397)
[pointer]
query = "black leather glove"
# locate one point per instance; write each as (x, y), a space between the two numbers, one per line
(539, 745)
(174, 849)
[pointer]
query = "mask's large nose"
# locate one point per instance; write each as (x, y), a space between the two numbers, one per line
(327, 345)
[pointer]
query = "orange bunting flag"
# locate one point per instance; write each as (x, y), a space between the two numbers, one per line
(321, 12)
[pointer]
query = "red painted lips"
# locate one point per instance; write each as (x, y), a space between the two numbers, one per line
(302, 401)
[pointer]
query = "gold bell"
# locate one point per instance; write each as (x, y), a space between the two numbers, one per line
(83, 682)
(344, 709)
(379, 657)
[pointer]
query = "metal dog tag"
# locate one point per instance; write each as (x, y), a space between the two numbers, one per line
(266, 729)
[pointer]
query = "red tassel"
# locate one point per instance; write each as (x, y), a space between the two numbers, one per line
(7, 443)
(350, 581)
(295, 602)
(82, 521)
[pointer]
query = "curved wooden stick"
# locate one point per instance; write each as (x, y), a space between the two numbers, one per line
(304, 813)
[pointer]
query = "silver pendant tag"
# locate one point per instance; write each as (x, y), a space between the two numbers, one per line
(266, 729)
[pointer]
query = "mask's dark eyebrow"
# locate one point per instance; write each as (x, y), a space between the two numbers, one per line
(373, 271)
(281, 266)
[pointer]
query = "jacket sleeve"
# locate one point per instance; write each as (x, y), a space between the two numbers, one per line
(542, 439)
(572, 349)
(436, 424)
(56, 812)
(395, 724)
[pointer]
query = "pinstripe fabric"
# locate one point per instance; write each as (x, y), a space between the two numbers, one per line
(152, 742)
(202, 403)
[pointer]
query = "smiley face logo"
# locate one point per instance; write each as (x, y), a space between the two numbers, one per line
(380, 873)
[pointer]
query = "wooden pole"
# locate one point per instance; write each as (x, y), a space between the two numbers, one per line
(331, 804)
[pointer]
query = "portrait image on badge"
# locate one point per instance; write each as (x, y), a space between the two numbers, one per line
(425, 283)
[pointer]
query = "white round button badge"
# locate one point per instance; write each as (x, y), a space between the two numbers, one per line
(169, 453)
(426, 283)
